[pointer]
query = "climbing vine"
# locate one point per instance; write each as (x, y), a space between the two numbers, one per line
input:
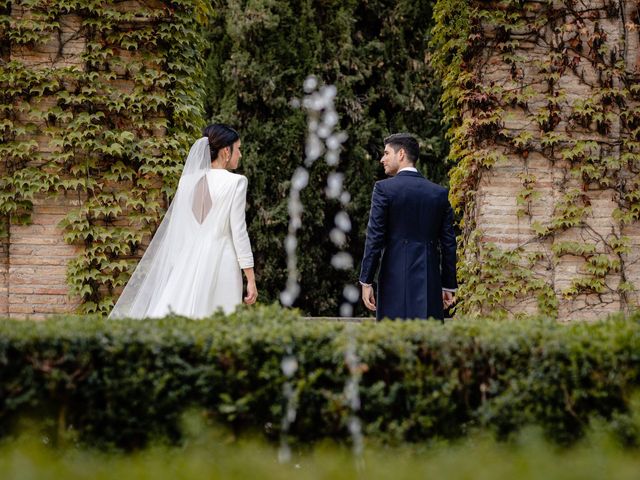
(117, 121)
(549, 81)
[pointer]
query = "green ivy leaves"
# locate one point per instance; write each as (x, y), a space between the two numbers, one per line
(116, 128)
(592, 140)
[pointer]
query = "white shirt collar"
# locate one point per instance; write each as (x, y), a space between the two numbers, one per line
(408, 169)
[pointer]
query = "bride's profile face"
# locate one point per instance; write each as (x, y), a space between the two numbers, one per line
(235, 156)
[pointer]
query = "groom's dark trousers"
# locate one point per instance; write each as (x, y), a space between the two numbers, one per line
(410, 238)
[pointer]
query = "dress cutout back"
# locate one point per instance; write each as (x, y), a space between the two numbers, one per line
(201, 204)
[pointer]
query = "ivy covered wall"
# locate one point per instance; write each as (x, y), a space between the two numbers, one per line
(99, 102)
(544, 103)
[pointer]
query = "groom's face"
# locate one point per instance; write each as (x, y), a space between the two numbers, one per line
(390, 160)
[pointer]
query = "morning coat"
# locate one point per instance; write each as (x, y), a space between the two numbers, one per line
(411, 241)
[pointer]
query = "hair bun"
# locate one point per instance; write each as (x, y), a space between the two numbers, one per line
(220, 136)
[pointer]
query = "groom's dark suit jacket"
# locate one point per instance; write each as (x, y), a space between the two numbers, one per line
(410, 238)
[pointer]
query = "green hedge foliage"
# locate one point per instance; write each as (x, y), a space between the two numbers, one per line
(123, 383)
(376, 53)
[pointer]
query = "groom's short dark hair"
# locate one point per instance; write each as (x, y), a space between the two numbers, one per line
(406, 142)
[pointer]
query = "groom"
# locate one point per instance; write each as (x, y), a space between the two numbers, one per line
(410, 237)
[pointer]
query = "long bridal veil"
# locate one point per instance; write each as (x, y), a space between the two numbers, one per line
(191, 201)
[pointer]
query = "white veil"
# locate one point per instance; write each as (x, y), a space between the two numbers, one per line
(192, 199)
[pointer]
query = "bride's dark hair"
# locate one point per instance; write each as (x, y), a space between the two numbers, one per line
(220, 136)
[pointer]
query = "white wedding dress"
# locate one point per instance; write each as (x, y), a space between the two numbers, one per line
(192, 266)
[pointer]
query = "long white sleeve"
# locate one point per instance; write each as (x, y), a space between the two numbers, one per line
(241, 241)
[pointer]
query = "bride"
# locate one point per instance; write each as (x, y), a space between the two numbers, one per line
(192, 265)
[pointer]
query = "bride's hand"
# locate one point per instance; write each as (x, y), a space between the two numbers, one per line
(252, 293)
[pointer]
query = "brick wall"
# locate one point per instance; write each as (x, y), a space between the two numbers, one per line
(496, 213)
(4, 230)
(38, 256)
(34, 257)
(4, 270)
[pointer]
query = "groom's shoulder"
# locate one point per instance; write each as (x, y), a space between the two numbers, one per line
(435, 191)
(436, 187)
(382, 184)
(399, 180)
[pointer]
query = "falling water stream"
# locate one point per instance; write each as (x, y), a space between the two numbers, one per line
(289, 367)
(322, 139)
(322, 119)
(352, 394)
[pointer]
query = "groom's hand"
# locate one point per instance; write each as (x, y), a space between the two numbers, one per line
(368, 297)
(447, 298)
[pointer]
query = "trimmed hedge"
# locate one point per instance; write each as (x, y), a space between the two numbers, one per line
(126, 382)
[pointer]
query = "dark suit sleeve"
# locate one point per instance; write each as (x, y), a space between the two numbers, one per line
(375, 234)
(448, 248)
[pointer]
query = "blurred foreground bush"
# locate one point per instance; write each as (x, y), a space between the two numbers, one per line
(122, 383)
(210, 456)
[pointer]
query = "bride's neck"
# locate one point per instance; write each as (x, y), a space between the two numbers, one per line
(215, 165)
